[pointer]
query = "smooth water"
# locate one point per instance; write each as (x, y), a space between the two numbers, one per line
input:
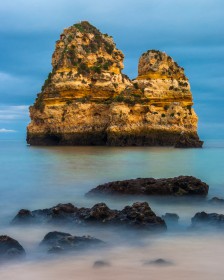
(41, 177)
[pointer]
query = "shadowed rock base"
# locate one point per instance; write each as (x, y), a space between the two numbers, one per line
(103, 138)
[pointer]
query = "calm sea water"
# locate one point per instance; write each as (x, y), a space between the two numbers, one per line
(41, 177)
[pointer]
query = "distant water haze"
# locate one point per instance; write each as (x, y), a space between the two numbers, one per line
(190, 257)
(41, 177)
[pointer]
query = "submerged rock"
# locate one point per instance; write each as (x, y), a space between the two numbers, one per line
(216, 201)
(139, 215)
(87, 100)
(171, 218)
(10, 248)
(100, 264)
(203, 219)
(52, 237)
(159, 262)
(60, 242)
(178, 186)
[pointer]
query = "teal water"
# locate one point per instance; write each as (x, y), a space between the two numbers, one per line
(41, 177)
(32, 177)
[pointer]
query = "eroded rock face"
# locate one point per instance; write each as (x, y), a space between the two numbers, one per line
(86, 100)
(178, 186)
(60, 242)
(10, 249)
(139, 215)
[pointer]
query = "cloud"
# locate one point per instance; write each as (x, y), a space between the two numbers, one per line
(13, 113)
(190, 31)
(4, 130)
(17, 89)
(7, 79)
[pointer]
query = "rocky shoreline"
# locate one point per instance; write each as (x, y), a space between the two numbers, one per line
(138, 218)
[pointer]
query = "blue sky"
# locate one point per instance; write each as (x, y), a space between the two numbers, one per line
(190, 31)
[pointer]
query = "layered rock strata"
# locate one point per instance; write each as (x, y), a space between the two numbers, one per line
(86, 100)
(177, 186)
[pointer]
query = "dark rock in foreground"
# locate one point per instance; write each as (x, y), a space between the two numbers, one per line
(60, 242)
(139, 215)
(178, 186)
(10, 248)
(171, 218)
(203, 219)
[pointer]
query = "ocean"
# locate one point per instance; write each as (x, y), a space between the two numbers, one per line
(41, 177)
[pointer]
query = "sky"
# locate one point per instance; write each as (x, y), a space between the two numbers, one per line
(190, 31)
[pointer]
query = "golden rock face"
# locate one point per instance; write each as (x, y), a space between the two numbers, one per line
(86, 100)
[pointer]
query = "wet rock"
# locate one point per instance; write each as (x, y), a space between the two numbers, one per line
(171, 218)
(52, 237)
(61, 209)
(216, 201)
(139, 215)
(100, 212)
(59, 214)
(24, 216)
(100, 264)
(10, 248)
(58, 242)
(159, 262)
(203, 219)
(178, 186)
(186, 141)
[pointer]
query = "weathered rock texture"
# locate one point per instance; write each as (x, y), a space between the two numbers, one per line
(10, 248)
(177, 186)
(86, 100)
(60, 242)
(139, 215)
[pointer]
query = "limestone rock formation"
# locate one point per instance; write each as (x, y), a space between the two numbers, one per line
(86, 100)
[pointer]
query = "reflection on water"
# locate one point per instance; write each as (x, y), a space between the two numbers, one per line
(38, 177)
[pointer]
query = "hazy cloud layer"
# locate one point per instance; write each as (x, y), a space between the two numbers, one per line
(190, 31)
(3, 130)
(13, 112)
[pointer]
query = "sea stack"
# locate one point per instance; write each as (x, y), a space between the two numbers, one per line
(87, 100)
